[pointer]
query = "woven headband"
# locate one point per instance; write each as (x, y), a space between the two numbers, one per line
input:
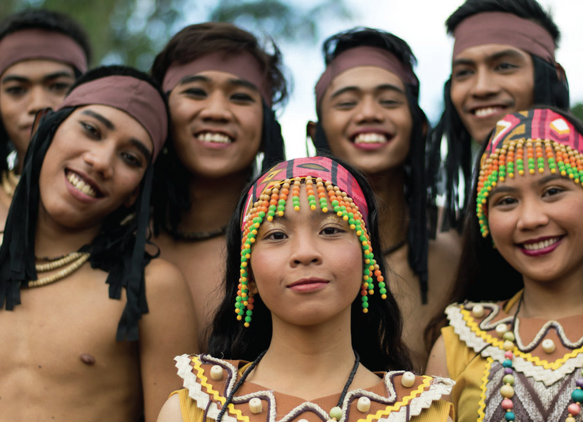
(363, 56)
(243, 65)
(504, 28)
(134, 96)
(528, 142)
(30, 44)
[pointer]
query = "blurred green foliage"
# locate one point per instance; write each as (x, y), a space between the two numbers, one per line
(577, 110)
(133, 31)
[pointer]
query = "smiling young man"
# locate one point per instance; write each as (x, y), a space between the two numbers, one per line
(42, 53)
(369, 116)
(75, 239)
(503, 62)
(221, 85)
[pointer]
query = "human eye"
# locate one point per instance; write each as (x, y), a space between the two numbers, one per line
(15, 90)
(195, 92)
(552, 191)
(462, 72)
(242, 97)
(332, 229)
(504, 201)
(275, 235)
(60, 87)
(90, 129)
(505, 67)
(132, 159)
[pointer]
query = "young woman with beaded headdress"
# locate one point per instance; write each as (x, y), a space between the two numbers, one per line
(519, 356)
(305, 300)
(223, 86)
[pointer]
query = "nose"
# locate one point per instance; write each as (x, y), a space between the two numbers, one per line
(100, 159)
(305, 249)
(369, 111)
(532, 216)
(216, 108)
(39, 99)
(485, 84)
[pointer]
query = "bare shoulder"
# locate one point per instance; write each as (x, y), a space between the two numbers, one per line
(171, 410)
(437, 363)
(163, 276)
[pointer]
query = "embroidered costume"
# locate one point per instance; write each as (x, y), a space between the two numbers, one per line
(547, 363)
(208, 381)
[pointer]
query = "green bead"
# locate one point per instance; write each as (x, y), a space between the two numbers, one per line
(336, 413)
(508, 379)
(247, 319)
(281, 202)
(577, 395)
(364, 299)
(382, 284)
(509, 335)
(365, 304)
(249, 313)
(383, 291)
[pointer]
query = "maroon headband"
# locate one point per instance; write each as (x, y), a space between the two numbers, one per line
(363, 56)
(504, 28)
(134, 96)
(243, 65)
(323, 167)
(30, 44)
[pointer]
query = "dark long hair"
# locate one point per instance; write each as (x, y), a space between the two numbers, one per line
(376, 336)
(414, 171)
(483, 274)
(171, 196)
(118, 249)
(453, 177)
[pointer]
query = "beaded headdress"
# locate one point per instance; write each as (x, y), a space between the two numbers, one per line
(530, 141)
(329, 186)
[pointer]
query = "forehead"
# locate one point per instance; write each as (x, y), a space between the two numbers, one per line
(37, 68)
(365, 77)
(486, 51)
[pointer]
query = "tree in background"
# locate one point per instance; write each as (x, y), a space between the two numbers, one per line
(134, 31)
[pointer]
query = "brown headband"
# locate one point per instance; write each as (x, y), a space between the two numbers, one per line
(134, 96)
(363, 56)
(504, 28)
(243, 65)
(33, 44)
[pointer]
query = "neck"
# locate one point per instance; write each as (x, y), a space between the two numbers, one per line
(53, 240)
(319, 351)
(553, 300)
(212, 202)
(389, 189)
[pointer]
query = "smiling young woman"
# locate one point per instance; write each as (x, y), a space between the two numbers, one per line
(520, 355)
(306, 301)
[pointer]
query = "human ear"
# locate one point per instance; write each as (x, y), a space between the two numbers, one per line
(560, 72)
(311, 130)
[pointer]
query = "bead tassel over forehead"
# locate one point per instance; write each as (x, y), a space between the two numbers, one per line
(524, 155)
(272, 203)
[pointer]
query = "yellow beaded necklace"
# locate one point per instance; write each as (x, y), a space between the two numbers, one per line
(71, 263)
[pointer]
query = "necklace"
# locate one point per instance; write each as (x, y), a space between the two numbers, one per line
(507, 390)
(69, 264)
(198, 236)
(394, 247)
(9, 182)
(335, 412)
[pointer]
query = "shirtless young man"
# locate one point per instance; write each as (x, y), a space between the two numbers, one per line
(222, 85)
(88, 169)
(503, 62)
(41, 54)
(367, 105)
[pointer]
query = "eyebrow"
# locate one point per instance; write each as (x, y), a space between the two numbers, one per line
(108, 124)
(142, 148)
(23, 79)
(495, 56)
(383, 87)
(540, 182)
(233, 82)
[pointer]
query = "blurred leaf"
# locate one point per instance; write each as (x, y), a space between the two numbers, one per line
(577, 110)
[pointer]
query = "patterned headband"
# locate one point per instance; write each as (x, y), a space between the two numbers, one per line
(328, 185)
(533, 140)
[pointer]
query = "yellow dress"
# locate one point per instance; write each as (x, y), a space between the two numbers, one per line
(202, 397)
(544, 381)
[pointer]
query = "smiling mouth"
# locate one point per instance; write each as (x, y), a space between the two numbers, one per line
(371, 138)
(81, 184)
(214, 138)
(487, 111)
(542, 244)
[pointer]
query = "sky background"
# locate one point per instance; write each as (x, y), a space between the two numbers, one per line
(421, 23)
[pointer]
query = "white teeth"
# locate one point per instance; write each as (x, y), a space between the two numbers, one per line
(540, 245)
(370, 138)
(483, 112)
(214, 137)
(80, 185)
